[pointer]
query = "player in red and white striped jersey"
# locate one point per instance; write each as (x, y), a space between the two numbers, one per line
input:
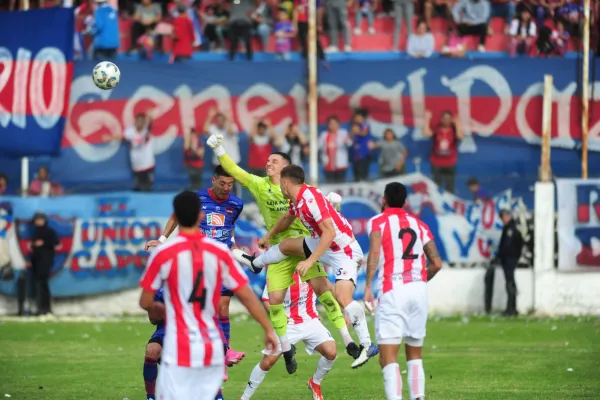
(400, 245)
(331, 242)
(191, 269)
(303, 325)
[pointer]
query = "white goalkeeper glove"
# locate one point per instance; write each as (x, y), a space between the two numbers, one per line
(215, 142)
(335, 200)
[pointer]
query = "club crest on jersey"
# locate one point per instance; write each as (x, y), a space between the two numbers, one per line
(215, 219)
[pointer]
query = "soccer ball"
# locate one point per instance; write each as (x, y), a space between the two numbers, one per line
(106, 75)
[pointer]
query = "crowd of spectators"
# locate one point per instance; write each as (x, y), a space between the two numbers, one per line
(535, 27)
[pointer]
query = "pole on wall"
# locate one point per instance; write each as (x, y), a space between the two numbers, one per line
(545, 173)
(312, 93)
(585, 90)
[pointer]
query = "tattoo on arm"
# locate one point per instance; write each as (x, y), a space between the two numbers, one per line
(435, 262)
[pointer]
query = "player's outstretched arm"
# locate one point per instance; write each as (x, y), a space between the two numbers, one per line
(171, 225)
(257, 311)
(215, 142)
(435, 261)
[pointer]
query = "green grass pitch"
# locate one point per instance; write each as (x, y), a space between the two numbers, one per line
(465, 358)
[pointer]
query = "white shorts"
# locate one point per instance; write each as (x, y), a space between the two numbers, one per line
(401, 313)
(344, 262)
(312, 333)
(183, 383)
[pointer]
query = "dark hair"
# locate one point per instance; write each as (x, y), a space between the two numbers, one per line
(3, 176)
(395, 195)
(295, 173)
(283, 155)
(504, 212)
(422, 21)
(220, 171)
(472, 181)
(362, 112)
(333, 118)
(261, 125)
(187, 208)
(140, 115)
(447, 112)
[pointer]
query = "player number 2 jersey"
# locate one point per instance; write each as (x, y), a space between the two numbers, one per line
(403, 238)
(312, 207)
(191, 270)
(300, 302)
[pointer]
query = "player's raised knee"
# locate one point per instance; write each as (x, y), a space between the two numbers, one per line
(267, 362)
(328, 350)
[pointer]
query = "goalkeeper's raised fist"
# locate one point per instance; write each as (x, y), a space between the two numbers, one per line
(215, 141)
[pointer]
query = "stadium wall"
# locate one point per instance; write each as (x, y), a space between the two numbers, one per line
(453, 291)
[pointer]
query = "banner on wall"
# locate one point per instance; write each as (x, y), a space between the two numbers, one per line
(499, 107)
(102, 237)
(578, 224)
(36, 68)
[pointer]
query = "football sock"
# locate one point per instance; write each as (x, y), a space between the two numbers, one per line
(279, 322)
(323, 367)
(356, 313)
(271, 256)
(219, 395)
(226, 328)
(416, 379)
(392, 381)
(256, 378)
(150, 374)
(333, 310)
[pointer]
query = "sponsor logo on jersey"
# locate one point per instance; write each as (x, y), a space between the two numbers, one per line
(229, 211)
(215, 219)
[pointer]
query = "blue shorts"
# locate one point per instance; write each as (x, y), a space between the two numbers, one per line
(226, 292)
(157, 336)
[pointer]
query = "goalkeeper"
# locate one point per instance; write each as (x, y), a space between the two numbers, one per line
(272, 205)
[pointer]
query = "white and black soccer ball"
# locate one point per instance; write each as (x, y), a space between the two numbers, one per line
(106, 75)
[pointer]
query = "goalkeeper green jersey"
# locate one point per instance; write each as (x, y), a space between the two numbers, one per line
(268, 197)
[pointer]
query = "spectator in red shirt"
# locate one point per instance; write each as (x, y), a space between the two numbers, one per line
(183, 35)
(262, 138)
(301, 19)
(193, 158)
(444, 150)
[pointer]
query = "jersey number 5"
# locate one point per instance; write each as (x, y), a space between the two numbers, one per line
(411, 243)
(199, 291)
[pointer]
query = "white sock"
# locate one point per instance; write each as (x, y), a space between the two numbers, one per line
(356, 313)
(346, 336)
(416, 379)
(392, 381)
(271, 256)
(285, 343)
(323, 367)
(256, 378)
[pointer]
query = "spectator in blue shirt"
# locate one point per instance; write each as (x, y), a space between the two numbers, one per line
(106, 31)
(362, 144)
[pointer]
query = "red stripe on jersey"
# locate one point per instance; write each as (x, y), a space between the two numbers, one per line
(183, 343)
(225, 257)
(322, 203)
(198, 307)
(348, 251)
(387, 244)
(310, 309)
(407, 263)
(294, 299)
(423, 262)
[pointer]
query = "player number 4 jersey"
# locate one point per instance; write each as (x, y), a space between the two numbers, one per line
(191, 270)
(300, 302)
(312, 207)
(403, 238)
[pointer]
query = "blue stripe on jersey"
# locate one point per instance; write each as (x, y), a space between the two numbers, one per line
(219, 216)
